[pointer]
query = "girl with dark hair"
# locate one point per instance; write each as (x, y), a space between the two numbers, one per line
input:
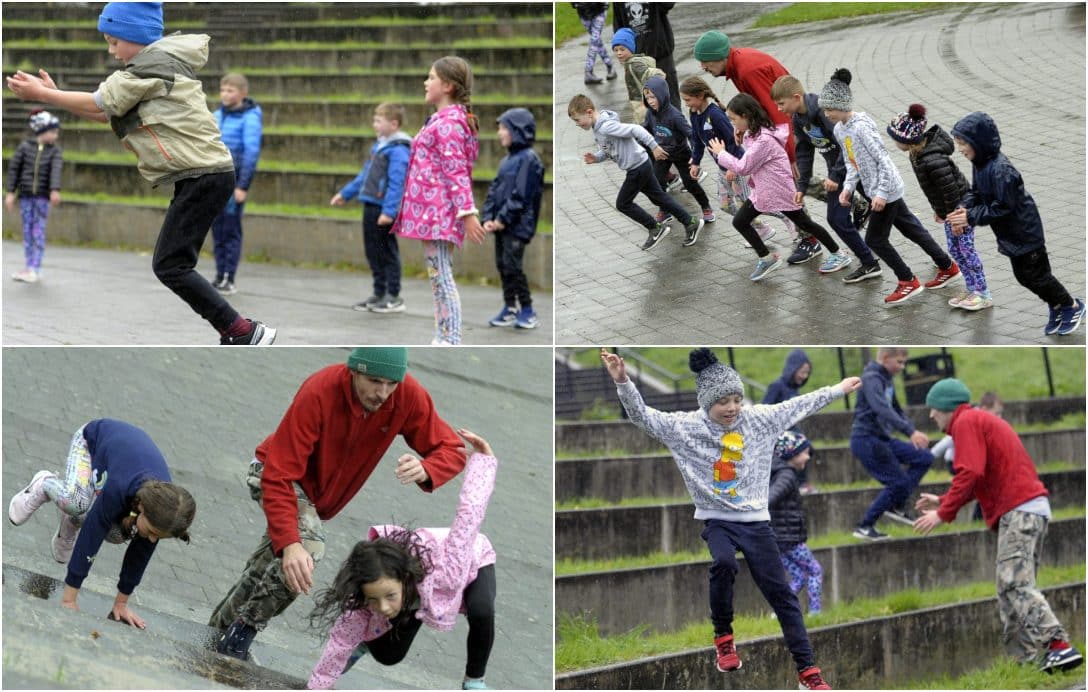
(116, 488)
(766, 163)
(399, 579)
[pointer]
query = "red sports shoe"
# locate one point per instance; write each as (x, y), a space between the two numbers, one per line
(810, 679)
(904, 291)
(727, 653)
(945, 276)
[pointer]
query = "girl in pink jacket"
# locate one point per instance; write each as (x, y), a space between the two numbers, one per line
(771, 181)
(437, 206)
(400, 579)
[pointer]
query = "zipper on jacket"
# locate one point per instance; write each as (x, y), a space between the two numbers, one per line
(157, 142)
(37, 160)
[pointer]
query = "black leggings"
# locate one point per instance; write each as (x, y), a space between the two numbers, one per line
(742, 221)
(479, 596)
(661, 172)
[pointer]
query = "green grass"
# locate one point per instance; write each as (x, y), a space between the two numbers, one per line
(568, 26)
(486, 134)
(801, 12)
(372, 98)
(579, 644)
(1005, 674)
(463, 43)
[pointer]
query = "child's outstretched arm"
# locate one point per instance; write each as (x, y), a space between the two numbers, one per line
(657, 424)
(790, 412)
(476, 489)
(42, 88)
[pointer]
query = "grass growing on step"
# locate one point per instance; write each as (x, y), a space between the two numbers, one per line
(355, 70)
(1006, 674)
(462, 43)
(370, 98)
(799, 13)
(579, 644)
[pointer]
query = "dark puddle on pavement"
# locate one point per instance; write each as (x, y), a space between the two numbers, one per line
(37, 585)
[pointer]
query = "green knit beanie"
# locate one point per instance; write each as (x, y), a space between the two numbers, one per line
(389, 362)
(947, 394)
(711, 46)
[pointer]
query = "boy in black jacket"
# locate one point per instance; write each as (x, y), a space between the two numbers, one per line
(673, 133)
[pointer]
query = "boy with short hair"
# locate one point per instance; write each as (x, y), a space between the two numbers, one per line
(637, 68)
(157, 106)
(626, 145)
(511, 212)
(241, 123)
(998, 199)
(380, 186)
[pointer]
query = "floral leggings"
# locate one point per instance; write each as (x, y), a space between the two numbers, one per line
(732, 195)
(35, 212)
(804, 570)
(962, 249)
(74, 493)
(447, 302)
(596, 46)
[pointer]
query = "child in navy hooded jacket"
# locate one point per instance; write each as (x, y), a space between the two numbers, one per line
(671, 130)
(511, 212)
(998, 199)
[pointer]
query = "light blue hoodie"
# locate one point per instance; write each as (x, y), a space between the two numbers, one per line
(621, 141)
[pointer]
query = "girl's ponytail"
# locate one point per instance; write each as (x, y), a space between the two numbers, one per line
(457, 73)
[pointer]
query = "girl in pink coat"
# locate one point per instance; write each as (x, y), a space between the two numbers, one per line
(437, 206)
(771, 181)
(398, 580)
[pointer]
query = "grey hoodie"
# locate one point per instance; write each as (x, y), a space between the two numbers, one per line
(727, 471)
(620, 141)
(866, 157)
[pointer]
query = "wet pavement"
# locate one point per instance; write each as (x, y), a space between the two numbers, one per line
(95, 297)
(207, 409)
(953, 59)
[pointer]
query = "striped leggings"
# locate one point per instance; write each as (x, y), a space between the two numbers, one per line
(447, 302)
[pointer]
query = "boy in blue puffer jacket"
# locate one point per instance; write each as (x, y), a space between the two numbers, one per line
(240, 122)
(998, 199)
(511, 212)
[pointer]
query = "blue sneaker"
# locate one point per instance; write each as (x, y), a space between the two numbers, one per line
(765, 266)
(475, 684)
(506, 317)
(1054, 321)
(1071, 317)
(834, 262)
(526, 319)
(1061, 655)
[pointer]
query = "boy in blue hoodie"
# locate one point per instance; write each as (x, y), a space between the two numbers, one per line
(795, 373)
(379, 186)
(876, 416)
(241, 123)
(672, 132)
(626, 145)
(510, 213)
(998, 199)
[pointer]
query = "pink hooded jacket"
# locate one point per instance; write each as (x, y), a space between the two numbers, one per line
(766, 162)
(438, 189)
(456, 553)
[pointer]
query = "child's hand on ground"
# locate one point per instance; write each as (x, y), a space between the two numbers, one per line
(337, 200)
(385, 220)
(121, 613)
(850, 384)
(919, 439)
(479, 444)
(589, 158)
(878, 203)
(54, 198)
(616, 367)
(410, 470)
(716, 146)
(9, 201)
(474, 230)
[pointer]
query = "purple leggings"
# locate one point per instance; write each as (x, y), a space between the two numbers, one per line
(596, 46)
(35, 211)
(962, 249)
(804, 570)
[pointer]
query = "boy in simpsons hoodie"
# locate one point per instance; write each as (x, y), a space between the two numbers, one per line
(724, 452)
(672, 132)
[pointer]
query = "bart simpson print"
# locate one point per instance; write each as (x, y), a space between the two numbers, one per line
(848, 143)
(725, 468)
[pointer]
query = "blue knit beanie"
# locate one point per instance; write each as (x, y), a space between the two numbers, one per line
(136, 22)
(626, 38)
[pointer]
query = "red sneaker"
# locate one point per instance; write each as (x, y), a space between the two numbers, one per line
(810, 679)
(727, 653)
(945, 276)
(904, 291)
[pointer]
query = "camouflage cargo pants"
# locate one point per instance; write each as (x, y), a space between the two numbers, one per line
(1027, 622)
(261, 593)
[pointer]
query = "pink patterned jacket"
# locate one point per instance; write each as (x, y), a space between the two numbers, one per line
(439, 183)
(766, 161)
(456, 553)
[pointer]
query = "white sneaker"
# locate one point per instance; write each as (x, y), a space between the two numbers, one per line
(29, 498)
(974, 302)
(65, 538)
(27, 276)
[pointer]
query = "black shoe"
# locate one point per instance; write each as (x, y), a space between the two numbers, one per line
(1064, 657)
(236, 640)
(806, 250)
(611, 74)
(691, 231)
(258, 335)
(656, 234)
(901, 515)
(869, 533)
(387, 304)
(869, 271)
(591, 78)
(366, 304)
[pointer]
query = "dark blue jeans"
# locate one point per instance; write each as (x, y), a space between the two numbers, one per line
(756, 541)
(382, 252)
(842, 222)
(509, 261)
(641, 179)
(227, 237)
(884, 459)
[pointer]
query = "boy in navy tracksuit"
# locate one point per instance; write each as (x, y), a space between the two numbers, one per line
(511, 212)
(672, 132)
(998, 199)
(380, 186)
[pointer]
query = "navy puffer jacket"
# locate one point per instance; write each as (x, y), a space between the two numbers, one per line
(785, 504)
(943, 184)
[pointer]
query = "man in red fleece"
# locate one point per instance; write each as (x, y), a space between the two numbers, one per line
(992, 465)
(342, 421)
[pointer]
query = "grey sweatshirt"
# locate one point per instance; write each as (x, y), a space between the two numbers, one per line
(727, 471)
(620, 141)
(866, 157)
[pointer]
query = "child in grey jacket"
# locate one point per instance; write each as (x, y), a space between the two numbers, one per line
(724, 452)
(623, 143)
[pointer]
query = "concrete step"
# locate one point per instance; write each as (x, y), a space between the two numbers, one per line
(590, 534)
(859, 570)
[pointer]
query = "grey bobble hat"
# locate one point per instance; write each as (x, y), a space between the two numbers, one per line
(836, 94)
(713, 379)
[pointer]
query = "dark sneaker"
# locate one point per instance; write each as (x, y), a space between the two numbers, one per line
(1061, 656)
(506, 317)
(526, 319)
(358, 653)
(591, 78)
(659, 231)
(218, 281)
(691, 231)
(388, 304)
(945, 277)
(1054, 321)
(727, 653)
(227, 288)
(868, 271)
(904, 291)
(258, 335)
(810, 679)
(1071, 317)
(806, 250)
(869, 533)
(365, 305)
(611, 74)
(901, 515)
(236, 640)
